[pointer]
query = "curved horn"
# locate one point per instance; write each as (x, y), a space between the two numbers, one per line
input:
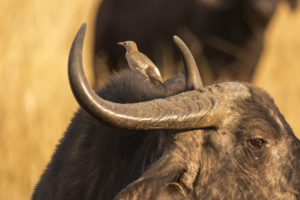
(182, 111)
(193, 78)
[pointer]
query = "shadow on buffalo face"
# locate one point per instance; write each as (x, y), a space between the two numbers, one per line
(226, 36)
(181, 141)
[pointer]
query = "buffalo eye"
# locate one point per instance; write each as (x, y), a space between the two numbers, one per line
(257, 142)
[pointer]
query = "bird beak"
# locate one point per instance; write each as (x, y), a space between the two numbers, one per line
(121, 43)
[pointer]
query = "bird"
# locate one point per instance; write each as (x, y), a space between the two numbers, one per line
(137, 61)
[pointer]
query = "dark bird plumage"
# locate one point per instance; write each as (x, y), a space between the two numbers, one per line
(137, 61)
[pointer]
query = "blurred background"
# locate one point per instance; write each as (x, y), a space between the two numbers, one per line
(36, 104)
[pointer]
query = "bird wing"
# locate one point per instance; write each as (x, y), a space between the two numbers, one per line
(138, 61)
(141, 60)
(153, 75)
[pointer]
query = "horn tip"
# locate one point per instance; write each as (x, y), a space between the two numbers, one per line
(82, 28)
(178, 41)
(176, 38)
(79, 38)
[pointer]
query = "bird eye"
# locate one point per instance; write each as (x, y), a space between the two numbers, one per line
(257, 142)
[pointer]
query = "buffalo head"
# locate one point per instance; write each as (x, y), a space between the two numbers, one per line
(223, 141)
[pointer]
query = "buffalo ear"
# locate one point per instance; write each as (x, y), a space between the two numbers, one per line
(154, 188)
(293, 4)
(171, 191)
(140, 189)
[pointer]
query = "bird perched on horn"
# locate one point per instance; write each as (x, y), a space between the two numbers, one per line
(137, 61)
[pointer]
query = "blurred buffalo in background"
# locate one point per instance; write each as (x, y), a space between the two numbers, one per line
(225, 36)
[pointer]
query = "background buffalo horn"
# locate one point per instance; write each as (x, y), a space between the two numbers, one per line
(193, 78)
(183, 111)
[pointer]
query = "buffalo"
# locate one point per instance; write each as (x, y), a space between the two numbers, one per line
(226, 36)
(137, 140)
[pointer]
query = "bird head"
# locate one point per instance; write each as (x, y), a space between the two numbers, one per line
(129, 45)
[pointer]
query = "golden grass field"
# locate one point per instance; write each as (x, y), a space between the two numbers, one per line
(36, 103)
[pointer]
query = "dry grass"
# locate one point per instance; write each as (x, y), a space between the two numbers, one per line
(279, 68)
(36, 102)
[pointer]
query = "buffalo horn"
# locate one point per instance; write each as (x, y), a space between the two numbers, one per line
(193, 78)
(183, 111)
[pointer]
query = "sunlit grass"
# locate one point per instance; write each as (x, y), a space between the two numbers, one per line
(279, 68)
(37, 104)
